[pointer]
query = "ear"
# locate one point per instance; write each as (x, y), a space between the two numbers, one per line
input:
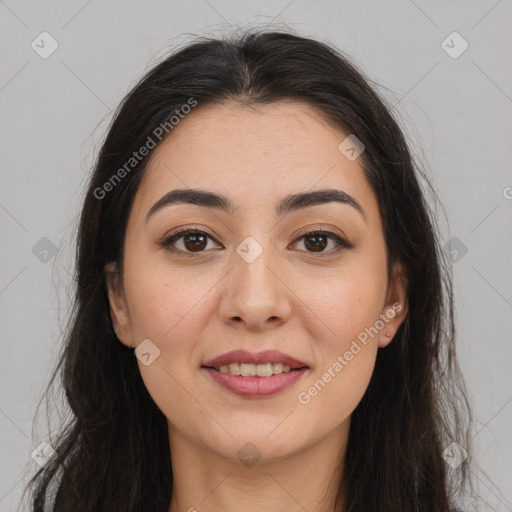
(396, 307)
(119, 312)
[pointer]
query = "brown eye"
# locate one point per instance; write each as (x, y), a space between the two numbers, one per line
(193, 241)
(317, 241)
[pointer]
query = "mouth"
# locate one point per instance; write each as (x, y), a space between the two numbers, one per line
(263, 370)
(253, 375)
(254, 386)
(248, 364)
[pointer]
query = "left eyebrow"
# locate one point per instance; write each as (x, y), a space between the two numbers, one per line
(288, 204)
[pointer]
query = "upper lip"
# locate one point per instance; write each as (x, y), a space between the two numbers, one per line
(266, 356)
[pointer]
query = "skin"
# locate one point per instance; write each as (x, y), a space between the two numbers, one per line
(198, 306)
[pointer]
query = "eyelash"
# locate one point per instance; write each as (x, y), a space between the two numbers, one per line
(342, 243)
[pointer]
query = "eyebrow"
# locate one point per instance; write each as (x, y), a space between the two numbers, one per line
(222, 203)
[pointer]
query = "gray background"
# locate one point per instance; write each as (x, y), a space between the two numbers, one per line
(456, 112)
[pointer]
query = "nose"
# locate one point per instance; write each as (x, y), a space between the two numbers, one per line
(255, 295)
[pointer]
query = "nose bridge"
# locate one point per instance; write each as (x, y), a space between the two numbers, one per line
(255, 294)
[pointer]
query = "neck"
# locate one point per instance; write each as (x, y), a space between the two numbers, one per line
(204, 481)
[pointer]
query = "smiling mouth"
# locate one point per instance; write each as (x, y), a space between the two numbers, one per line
(255, 370)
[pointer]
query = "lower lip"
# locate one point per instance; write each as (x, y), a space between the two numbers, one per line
(256, 386)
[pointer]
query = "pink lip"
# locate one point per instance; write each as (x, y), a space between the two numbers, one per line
(256, 386)
(243, 356)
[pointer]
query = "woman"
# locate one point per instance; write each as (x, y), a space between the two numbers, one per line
(263, 316)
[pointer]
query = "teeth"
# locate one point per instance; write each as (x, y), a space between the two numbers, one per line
(264, 370)
(253, 370)
(234, 368)
(278, 368)
(248, 370)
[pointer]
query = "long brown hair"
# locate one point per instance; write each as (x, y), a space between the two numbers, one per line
(416, 403)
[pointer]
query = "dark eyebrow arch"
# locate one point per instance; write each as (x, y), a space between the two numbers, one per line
(288, 204)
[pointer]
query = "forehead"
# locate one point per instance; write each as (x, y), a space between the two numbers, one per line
(253, 154)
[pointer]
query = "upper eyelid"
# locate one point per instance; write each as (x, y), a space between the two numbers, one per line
(303, 231)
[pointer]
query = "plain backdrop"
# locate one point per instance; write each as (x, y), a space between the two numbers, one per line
(455, 106)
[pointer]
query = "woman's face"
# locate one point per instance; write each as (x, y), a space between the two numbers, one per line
(251, 281)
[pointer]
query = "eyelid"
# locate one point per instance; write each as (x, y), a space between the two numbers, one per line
(327, 230)
(167, 240)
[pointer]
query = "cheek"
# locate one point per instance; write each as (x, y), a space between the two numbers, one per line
(172, 309)
(172, 313)
(164, 306)
(347, 310)
(344, 305)
(346, 359)
(335, 392)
